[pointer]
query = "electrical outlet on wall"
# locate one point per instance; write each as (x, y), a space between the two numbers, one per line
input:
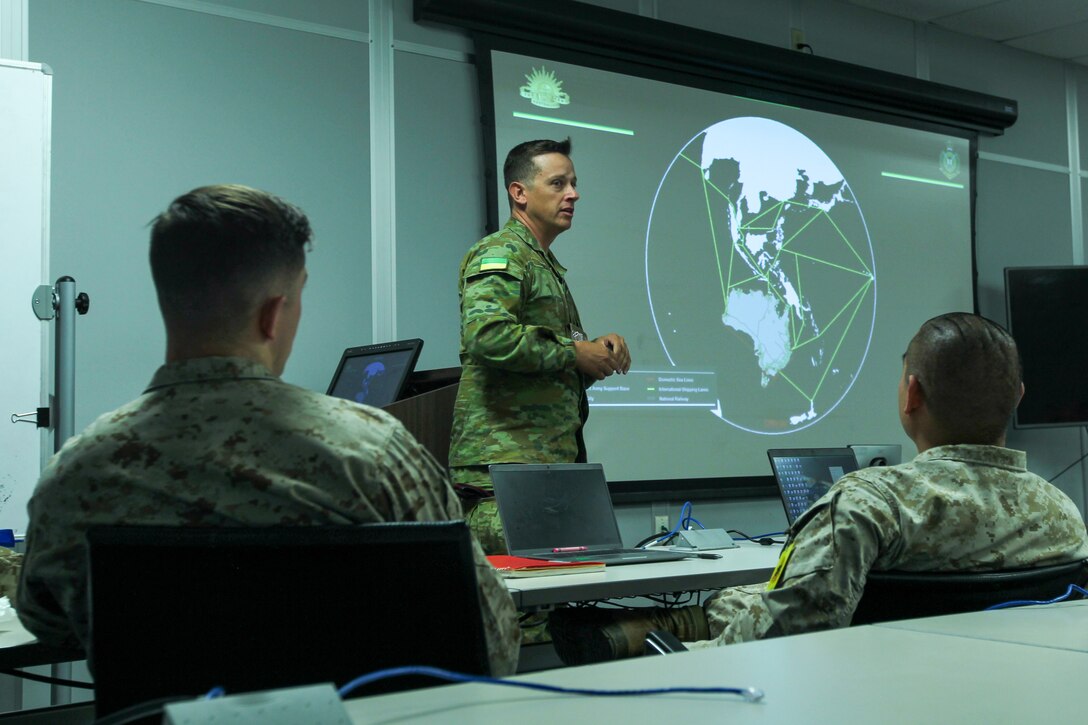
(797, 38)
(661, 523)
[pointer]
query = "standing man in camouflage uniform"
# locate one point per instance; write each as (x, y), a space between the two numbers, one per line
(217, 439)
(526, 361)
(964, 504)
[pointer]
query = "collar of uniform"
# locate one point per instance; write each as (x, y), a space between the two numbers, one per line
(983, 455)
(514, 225)
(208, 369)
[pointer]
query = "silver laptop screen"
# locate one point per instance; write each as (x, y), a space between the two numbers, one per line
(804, 475)
(555, 506)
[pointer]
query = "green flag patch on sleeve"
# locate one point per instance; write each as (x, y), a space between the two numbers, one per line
(492, 264)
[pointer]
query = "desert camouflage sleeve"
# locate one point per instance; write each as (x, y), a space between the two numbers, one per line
(414, 471)
(53, 577)
(820, 576)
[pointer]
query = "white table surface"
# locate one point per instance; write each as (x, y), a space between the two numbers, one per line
(1060, 626)
(866, 674)
(746, 564)
(12, 631)
(19, 648)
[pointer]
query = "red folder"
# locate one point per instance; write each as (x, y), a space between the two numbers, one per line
(520, 566)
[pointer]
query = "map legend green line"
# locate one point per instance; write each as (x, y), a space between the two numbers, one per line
(656, 389)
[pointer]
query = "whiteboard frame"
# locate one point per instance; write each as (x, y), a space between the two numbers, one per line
(26, 98)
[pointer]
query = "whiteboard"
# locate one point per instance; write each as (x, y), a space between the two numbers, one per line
(25, 111)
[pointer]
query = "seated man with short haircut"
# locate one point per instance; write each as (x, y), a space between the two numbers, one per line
(217, 439)
(964, 504)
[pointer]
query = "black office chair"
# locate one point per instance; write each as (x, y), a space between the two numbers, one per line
(178, 611)
(891, 595)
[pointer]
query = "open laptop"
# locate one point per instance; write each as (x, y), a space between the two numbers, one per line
(804, 475)
(546, 508)
(375, 374)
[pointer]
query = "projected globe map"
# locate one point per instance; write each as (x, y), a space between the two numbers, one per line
(760, 269)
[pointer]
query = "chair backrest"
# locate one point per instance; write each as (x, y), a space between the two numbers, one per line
(891, 595)
(178, 611)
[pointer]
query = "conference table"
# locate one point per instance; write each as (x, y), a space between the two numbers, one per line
(748, 563)
(1005, 666)
(19, 648)
(1061, 626)
(1018, 665)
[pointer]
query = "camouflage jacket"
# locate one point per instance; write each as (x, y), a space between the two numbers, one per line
(953, 508)
(222, 442)
(10, 564)
(521, 398)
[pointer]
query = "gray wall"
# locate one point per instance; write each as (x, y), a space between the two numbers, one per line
(154, 98)
(151, 101)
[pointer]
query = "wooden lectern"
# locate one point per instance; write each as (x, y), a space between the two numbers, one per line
(426, 409)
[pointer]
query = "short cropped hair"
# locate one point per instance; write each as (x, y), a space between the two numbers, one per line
(969, 370)
(519, 164)
(219, 251)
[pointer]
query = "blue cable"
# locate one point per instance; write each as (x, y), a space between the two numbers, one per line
(757, 538)
(1030, 602)
(215, 692)
(686, 523)
(751, 694)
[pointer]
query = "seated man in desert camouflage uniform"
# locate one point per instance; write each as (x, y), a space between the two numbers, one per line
(525, 359)
(965, 503)
(217, 439)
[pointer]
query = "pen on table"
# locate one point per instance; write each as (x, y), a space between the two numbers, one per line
(564, 549)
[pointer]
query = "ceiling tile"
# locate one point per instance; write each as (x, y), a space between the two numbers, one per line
(1011, 19)
(1055, 28)
(925, 10)
(1069, 41)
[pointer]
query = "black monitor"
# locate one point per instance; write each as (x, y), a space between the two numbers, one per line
(375, 374)
(1046, 306)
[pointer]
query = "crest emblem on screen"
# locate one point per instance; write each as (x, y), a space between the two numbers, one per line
(949, 163)
(544, 89)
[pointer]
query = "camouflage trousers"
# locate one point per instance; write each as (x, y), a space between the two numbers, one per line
(482, 515)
